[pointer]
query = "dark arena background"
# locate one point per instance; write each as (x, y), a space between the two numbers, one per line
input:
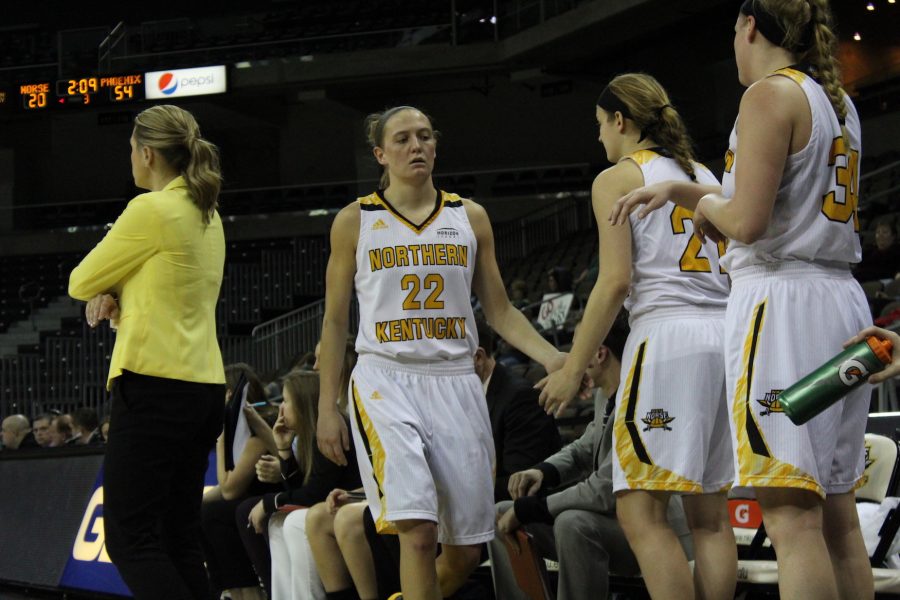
(282, 87)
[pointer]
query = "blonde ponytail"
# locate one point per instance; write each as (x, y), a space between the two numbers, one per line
(174, 134)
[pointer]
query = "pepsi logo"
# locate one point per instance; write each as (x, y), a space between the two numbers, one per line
(168, 83)
(176, 83)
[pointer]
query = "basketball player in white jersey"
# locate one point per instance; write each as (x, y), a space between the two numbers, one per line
(671, 433)
(789, 205)
(414, 254)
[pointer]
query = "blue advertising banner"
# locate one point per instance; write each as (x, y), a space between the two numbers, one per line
(89, 567)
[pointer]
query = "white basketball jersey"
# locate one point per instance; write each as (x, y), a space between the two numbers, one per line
(671, 268)
(414, 282)
(815, 214)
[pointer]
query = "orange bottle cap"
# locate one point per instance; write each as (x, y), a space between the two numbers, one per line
(881, 348)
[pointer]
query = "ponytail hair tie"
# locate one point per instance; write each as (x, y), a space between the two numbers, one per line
(659, 111)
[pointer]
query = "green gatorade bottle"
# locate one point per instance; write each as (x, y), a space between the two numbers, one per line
(833, 380)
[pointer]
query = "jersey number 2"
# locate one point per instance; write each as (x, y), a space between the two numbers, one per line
(691, 261)
(433, 282)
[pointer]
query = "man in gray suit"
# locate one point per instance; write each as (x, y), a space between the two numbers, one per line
(575, 525)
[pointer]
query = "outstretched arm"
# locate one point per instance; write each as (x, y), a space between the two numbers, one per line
(610, 289)
(503, 317)
(654, 196)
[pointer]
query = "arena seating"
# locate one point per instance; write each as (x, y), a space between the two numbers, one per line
(250, 32)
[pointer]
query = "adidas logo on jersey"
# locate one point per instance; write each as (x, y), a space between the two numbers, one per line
(376, 396)
(379, 224)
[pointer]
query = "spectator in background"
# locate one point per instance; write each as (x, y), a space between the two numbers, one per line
(883, 260)
(589, 275)
(85, 424)
(559, 280)
(307, 475)
(17, 433)
(104, 429)
(60, 432)
(293, 568)
(67, 419)
(523, 433)
(559, 307)
(237, 455)
(518, 293)
(41, 429)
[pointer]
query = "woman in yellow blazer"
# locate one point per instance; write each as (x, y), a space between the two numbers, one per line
(157, 275)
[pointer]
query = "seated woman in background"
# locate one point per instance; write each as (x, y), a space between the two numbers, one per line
(294, 573)
(228, 565)
(308, 478)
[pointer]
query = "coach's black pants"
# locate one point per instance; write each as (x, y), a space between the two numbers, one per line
(161, 433)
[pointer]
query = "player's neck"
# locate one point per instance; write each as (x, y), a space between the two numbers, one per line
(402, 194)
(633, 146)
(770, 60)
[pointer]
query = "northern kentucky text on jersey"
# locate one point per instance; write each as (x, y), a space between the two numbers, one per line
(419, 255)
(418, 328)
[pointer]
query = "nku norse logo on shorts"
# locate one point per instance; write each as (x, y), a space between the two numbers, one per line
(657, 418)
(771, 403)
(852, 371)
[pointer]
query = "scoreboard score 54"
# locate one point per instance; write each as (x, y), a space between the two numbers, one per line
(82, 91)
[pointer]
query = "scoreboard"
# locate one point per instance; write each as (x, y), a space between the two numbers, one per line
(106, 90)
(81, 91)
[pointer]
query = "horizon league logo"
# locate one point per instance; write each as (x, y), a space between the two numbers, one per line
(168, 83)
(90, 542)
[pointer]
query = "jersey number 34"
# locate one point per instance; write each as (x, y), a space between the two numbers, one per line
(840, 204)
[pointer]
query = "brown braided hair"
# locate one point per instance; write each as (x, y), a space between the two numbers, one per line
(797, 17)
(652, 112)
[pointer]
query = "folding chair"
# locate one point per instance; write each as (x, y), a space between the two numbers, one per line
(880, 479)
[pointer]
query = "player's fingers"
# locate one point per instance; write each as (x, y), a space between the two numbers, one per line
(345, 439)
(878, 377)
(616, 211)
(560, 408)
(512, 485)
(338, 452)
(698, 231)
